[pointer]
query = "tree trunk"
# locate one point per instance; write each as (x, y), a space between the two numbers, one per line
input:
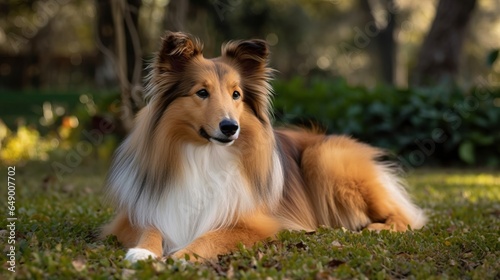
(105, 74)
(385, 45)
(132, 40)
(175, 15)
(119, 43)
(438, 61)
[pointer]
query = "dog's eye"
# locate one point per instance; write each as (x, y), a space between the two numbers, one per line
(236, 95)
(202, 93)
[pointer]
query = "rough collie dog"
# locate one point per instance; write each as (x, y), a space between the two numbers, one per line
(203, 170)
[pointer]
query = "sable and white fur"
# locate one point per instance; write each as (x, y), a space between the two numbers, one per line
(203, 169)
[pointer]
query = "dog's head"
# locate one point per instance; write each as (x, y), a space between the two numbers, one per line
(205, 99)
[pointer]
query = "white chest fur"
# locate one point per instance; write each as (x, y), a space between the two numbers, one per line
(209, 195)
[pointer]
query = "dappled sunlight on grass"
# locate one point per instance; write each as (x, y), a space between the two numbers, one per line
(480, 179)
(457, 177)
(456, 186)
(25, 144)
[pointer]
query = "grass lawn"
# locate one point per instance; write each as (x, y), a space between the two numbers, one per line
(57, 221)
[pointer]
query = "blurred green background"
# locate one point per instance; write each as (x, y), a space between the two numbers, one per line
(420, 79)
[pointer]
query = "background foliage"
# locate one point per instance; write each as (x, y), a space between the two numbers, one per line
(418, 126)
(67, 65)
(435, 125)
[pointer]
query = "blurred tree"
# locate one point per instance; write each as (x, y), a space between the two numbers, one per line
(438, 61)
(105, 75)
(50, 43)
(176, 14)
(132, 40)
(4, 9)
(384, 38)
(117, 29)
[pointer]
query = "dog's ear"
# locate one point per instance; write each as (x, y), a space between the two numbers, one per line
(250, 55)
(176, 50)
(251, 59)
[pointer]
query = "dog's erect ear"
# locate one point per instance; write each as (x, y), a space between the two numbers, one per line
(176, 50)
(251, 55)
(251, 58)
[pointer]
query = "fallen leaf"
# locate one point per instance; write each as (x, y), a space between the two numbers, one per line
(451, 229)
(337, 244)
(78, 264)
(334, 263)
(301, 245)
(128, 273)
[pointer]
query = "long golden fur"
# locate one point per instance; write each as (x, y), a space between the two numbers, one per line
(203, 169)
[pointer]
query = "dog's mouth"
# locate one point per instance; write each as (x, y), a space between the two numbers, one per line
(216, 140)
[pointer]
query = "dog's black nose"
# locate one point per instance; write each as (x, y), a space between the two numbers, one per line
(228, 127)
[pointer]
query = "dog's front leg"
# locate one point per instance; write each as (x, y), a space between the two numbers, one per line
(223, 241)
(149, 245)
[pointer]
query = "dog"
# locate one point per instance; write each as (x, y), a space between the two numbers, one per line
(203, 170)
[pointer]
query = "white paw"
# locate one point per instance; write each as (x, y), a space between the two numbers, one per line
(136, 254)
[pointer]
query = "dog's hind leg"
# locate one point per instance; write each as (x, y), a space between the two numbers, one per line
(349, 188)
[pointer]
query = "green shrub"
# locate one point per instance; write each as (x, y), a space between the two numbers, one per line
(25, 144)
(419, 126)
(43, 125)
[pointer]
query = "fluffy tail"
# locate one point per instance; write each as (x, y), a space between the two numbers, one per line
(396, 188)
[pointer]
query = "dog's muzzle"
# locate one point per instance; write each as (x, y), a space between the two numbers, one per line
(228, 132)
